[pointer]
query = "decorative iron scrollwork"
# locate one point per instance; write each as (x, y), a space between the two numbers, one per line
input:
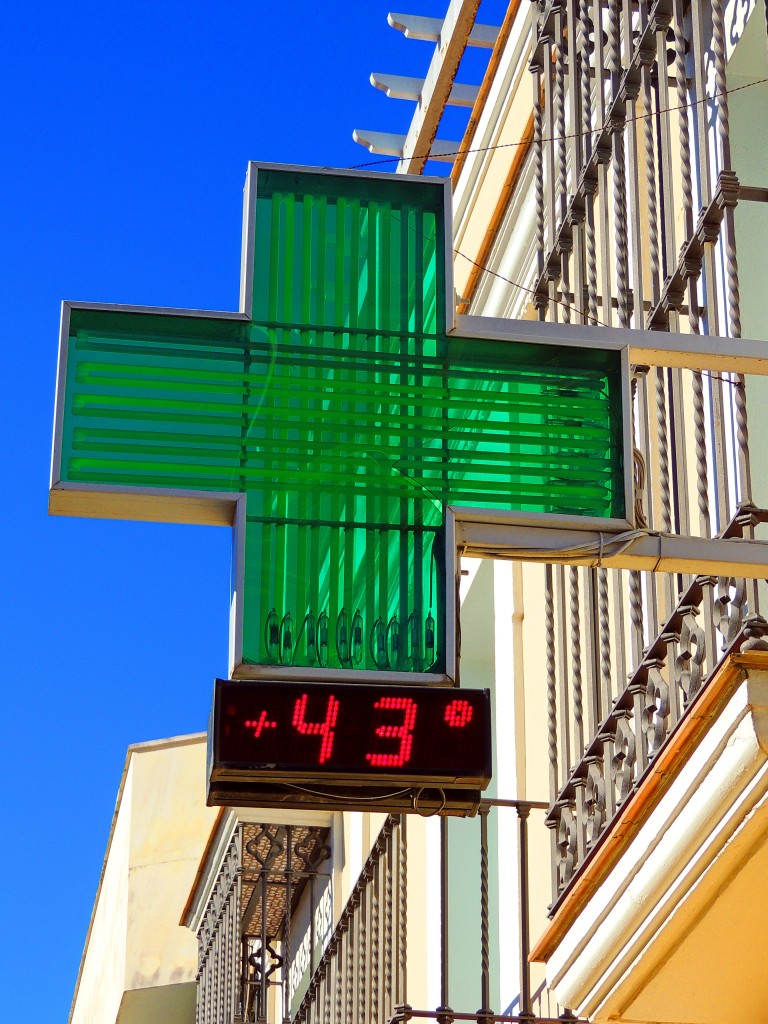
(566, 844)
(594, 800)
(656, 711)
(310, 850)
(275, 845)
(728, 608)
(689, 663)
(624, 756)
(257, 960)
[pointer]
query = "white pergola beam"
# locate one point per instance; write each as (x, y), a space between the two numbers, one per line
(380, 143)
(414, 26)
(456, 29)
(401, 87)
(391, 144)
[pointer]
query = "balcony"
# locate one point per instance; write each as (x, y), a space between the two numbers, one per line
(681, 865)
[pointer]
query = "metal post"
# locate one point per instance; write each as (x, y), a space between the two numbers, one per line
(485, 972)
(444, 1011)
(287, 928)
(526, 1014)
(262, 990)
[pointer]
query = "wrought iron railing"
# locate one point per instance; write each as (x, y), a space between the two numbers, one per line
(244, 937)
(362, 974)
(635, 198)
(218, 937)
(602, 738)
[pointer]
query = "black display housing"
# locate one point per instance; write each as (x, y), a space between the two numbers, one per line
(348, 745)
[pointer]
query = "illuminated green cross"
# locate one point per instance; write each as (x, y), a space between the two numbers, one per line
(332, 421)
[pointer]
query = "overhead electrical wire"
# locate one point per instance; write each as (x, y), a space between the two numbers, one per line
(574, 309)
(632, 118)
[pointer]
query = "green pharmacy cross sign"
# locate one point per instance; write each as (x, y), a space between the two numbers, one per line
(338, 422)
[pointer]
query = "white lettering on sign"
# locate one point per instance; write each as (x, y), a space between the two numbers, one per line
(301, 962)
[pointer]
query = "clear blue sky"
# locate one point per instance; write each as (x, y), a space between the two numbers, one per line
(127, 130)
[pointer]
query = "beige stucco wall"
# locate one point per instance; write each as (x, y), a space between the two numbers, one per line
(138, 960)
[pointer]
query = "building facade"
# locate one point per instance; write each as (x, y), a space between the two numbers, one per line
(611, 173)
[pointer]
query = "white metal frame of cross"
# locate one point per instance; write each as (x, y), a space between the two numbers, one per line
(488, 533)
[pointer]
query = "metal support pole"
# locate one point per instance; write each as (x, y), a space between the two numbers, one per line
(444, 1010)
(262, 990)
(485, 965)
(526, 1013)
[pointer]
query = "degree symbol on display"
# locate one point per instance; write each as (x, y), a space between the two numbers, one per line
(458, 714)
(258, 724)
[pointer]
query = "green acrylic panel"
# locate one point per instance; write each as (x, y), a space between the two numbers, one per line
(361, 253)
(348, 417)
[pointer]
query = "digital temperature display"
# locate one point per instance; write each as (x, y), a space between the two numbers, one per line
(285, 732)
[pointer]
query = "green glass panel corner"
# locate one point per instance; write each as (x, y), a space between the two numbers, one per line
(344, 251)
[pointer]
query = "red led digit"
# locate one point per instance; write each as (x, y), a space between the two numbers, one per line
(402, 732)
(324, 729)
(458, 714)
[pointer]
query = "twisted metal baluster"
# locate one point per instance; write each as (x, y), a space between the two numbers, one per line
(732, 275)
(650, 182)
(362, 952)
(402, 912)
(562, 171)
(485, 946)
(538, 155)
(620, 226)
(694, 272)
(586, 81)
(588, 185)
(376, 881)
(664, 480)
(551, 211)
(350, 962)
(636, 615)
(605, 640)
(591, 246)
(339, 975)
(565, 285)
(619, 172)
(578, 712)
(329, 987)
(549, 634)
(388, 930)
(664, 451)
(562, 178)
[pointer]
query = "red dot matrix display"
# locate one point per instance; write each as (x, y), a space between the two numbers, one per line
(324, 728)
(348, 729)
(458, 714)
(403, 732)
